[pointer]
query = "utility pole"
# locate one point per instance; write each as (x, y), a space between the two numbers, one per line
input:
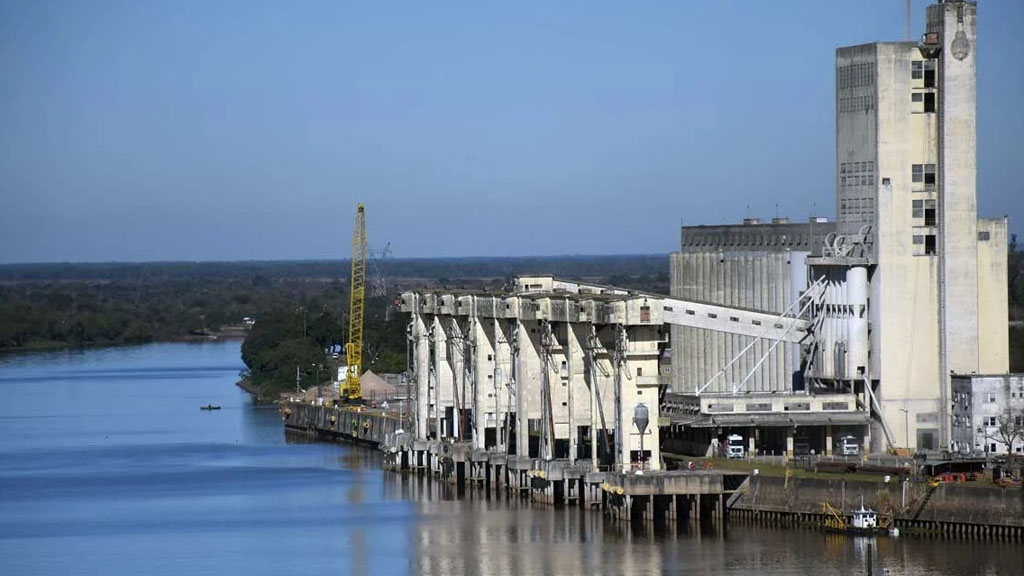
(906, 428)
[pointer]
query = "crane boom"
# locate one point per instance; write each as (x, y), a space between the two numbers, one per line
(354, 348)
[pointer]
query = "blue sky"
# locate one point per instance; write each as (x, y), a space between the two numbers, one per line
(198, 130)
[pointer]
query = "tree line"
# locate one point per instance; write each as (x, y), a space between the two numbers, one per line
(52, 305)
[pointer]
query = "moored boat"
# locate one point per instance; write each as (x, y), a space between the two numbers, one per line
(861, 521)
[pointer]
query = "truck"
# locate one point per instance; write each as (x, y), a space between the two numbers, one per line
(734, 446)
(849, 446)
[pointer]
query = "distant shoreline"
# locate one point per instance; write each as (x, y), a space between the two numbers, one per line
(55, 346)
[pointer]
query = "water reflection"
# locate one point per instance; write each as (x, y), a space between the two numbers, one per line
(481, 534)
(125, 475)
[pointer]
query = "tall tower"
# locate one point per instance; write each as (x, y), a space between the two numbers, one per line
(906, 183)
(952, 30)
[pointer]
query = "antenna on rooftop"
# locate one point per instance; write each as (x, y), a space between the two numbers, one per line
(906, 20)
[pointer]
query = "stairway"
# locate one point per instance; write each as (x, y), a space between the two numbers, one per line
(932, 486)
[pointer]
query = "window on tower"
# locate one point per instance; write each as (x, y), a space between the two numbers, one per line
(916, 70)
(929, 73)
(929, 102)
(923, 174)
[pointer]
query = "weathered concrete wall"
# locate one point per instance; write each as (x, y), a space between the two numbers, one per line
(362, 427)
(963, 503)
(807, 494)
(993, 304)
(976, 505)
(758, 279)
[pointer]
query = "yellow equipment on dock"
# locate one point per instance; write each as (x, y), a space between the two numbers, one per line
(351, 389)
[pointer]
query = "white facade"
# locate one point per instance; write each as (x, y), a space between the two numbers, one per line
(906, 180)
(983, 403)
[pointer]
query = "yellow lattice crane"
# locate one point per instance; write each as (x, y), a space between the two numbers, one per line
(351, 390)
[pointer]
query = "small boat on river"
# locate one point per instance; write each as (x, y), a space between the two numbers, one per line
(209, 407)
(861, 521)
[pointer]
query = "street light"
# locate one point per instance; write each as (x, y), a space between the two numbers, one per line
(641, 418)
(906, 427)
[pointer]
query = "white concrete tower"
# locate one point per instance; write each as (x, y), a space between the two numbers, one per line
(906, 175)
(955, 25)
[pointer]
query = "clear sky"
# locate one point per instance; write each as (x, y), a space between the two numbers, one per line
(202, 130)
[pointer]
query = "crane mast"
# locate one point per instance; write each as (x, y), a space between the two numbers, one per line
(354, 348)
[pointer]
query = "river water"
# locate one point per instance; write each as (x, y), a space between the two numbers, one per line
(107, 466)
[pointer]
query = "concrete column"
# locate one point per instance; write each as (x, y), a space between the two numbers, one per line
(622, 420)
(522, 349)
(828, 440)
(576, 338)
(591, 380)
(482, 349)
(547, 433)
(421, 371)
(457, 365)
(442, 375)
(751, 444)
(789, 442)
(502, 374)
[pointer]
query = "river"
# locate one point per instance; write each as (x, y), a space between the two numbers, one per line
(107, 466)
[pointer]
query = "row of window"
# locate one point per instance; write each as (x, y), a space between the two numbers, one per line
(857, 167)
(992, 447)
(922, 101)
(854, 75)
(753, 239)
(924, 209)
(862, 174)
(923, 173)
(857, 174)
(857, 216)
(925, 245)
(857, 203)
(857, 103)
(861, 180)
(923, 70)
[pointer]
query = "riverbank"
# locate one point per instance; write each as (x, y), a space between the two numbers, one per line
(54, 345)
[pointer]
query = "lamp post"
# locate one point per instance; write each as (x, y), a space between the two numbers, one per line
(641, 419)
(906, 427)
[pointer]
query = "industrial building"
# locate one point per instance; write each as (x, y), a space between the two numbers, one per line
(988, 413)
(556, 369)
(798, 337)
(906, 205)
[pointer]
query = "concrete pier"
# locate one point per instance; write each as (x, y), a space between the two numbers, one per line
(651, 496)
(369, 428)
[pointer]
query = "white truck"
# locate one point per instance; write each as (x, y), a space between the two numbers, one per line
(849, 446)
(734, 446)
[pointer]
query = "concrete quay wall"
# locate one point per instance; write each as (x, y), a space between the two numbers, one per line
(340, 423)
(954, 509)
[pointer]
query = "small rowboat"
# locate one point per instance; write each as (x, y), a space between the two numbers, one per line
(209, 407)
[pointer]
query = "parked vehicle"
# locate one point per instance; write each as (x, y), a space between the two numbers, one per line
(849, 446)
(734, 446)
